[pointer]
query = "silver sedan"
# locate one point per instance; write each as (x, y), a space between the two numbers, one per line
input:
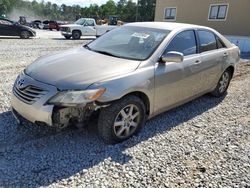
(125, 77)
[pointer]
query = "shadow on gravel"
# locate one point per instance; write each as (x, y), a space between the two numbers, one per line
(38, 156)
(15, 38)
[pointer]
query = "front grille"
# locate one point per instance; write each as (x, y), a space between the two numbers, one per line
(66, 29)
(29, 94)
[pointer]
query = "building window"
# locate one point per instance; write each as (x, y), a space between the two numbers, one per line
(170, 13)
(218, 12)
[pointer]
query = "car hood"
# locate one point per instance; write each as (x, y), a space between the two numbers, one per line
(78, 68)
(25, 28)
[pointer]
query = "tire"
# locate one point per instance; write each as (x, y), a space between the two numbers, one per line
(25, 35)
(222, 84)
(124, 129)
(67, 37)
(76, 35)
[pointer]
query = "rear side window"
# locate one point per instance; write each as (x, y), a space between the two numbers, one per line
(184, 42)
(220, 44)
(207, 41)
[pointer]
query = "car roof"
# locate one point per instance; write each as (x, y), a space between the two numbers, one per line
(165, 25)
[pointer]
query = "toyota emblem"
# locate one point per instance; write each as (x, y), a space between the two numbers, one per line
(20, 82)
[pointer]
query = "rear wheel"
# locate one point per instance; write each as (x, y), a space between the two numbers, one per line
(223, 84)
(121, 120)
(25, 35)
(76, 35)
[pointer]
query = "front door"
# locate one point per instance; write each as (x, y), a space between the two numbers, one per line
(177, 82)
(89, 28)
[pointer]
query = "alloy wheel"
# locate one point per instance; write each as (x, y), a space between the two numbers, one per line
(126, 121)
(224, 81)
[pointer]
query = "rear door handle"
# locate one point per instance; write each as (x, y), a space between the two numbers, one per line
(225, 54)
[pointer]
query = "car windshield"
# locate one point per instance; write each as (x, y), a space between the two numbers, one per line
(129, 42)
(80, 21)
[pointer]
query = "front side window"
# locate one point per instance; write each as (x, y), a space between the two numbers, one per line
(218, 12)
(184, 42)
(80, 21)
(207, 41)
(89, 23)
(170, 13)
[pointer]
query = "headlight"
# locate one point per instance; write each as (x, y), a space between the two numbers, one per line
(73, 98)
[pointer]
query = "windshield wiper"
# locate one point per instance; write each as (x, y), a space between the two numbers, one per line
(106, 53)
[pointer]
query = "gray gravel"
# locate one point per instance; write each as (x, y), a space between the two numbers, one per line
(205, 143)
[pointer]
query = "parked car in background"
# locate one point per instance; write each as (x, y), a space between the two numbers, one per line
(53, 25)
(11, 28)
(84, 27)
(125, 77)
(46, 24)
(50, 24)
(37, 24)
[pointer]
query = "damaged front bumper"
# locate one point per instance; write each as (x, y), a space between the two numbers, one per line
(79, 115)
(29, 101)
(55, 116)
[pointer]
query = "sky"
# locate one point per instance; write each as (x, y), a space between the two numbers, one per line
(82, 3)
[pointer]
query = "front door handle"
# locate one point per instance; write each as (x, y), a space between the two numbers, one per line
(197, 62)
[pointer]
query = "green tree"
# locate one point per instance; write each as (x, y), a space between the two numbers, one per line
(125, 9)
(146, 10)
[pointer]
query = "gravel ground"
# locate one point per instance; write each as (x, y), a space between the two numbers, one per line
(205, 143)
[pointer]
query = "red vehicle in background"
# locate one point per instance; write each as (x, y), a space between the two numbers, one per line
(51, 25)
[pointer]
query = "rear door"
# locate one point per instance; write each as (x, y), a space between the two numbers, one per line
(177, 82)
(213, 54)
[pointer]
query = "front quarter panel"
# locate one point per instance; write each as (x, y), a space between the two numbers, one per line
(141, 80)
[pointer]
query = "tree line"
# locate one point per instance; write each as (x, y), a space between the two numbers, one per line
(126, 10)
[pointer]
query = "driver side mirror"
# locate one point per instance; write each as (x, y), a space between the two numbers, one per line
(172, 56)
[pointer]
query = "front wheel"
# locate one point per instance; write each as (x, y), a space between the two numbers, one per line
(24, 35)
(222, 84)
(121, 120)
(76, 35)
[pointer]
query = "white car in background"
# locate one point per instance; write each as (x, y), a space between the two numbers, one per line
(84, 27)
